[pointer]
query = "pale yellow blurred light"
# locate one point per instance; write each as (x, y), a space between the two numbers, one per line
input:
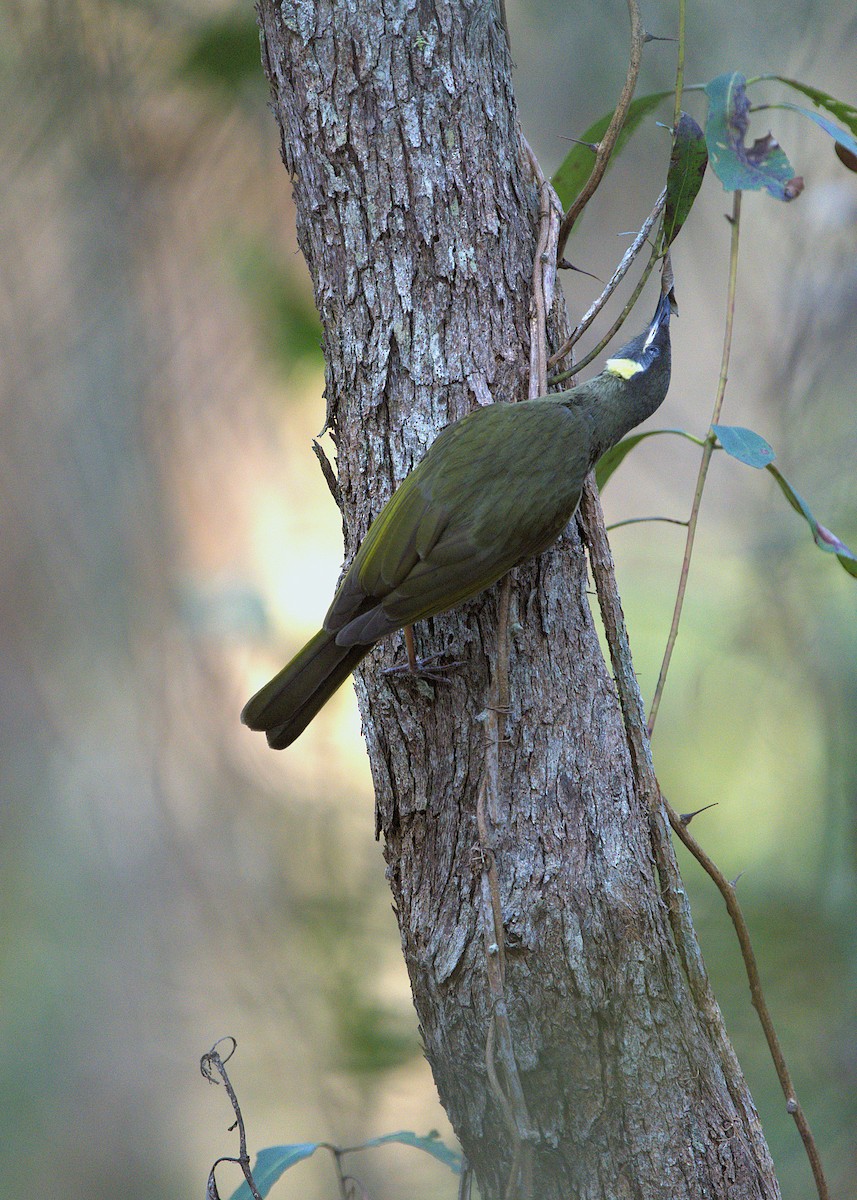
(298, 551)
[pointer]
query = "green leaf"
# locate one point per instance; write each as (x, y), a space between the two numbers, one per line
(609, 461)
(745, 445)
(750, 448)
(846, 151)
(823, 538)
(576, 167)
(762, 165)
(270, 1164)
(274, 1161)
(688, 161)
(846, 140)
(846, 113)
(431, 1144)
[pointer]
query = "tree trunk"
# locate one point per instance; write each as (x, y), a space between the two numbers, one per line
(418, 216)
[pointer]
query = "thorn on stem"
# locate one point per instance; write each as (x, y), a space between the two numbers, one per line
(653, 37)
(565, 265)
(733, 883)
(593, 146)
(687, 817)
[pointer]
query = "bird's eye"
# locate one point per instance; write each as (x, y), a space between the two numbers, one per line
(654, 351)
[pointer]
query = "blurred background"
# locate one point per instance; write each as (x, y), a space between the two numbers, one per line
(168, 541)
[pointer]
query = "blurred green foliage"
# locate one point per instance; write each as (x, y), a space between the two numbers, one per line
(223, 54)
(285, 318)
(161, 886)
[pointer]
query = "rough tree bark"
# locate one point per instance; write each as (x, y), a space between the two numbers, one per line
(418, 214)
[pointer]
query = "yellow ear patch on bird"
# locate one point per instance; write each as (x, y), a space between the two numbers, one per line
(623, 367)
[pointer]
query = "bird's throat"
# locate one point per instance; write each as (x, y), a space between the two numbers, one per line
(619, 405)
(623, 368)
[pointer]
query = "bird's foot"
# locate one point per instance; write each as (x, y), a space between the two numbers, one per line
(424, 668)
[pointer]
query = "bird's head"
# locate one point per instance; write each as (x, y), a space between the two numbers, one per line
(645, 360)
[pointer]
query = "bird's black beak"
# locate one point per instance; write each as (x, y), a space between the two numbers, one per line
(663, 312)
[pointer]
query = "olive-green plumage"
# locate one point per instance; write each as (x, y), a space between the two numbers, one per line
(495, 488)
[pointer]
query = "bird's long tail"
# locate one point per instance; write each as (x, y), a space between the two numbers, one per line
(285, 706)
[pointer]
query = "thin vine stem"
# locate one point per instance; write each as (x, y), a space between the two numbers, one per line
(490, 811)
(614, 328)
(608, 142)
(757, 995)
(645, 521)
(679, 70)
(707, 451)
(592, 526)
(209, 1063)
(615, 279)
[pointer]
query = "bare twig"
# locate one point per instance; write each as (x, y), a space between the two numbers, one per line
(349, 1185)
(544, 278)
(591, 522)
(208, 1064)
(687, 817)
(615, 279)
(608, 142)
(601, 561)
(328, 472)
(614, 328)
(707, 451)
(465, 1181)
(727, 891)
(341, 1177)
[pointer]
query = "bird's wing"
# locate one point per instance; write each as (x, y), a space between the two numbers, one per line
(405, 532)
(481, 501)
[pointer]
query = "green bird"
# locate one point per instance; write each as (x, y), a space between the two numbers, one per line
(495, 488)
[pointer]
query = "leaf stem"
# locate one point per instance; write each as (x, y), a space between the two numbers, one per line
(707, 451)
(679, 71)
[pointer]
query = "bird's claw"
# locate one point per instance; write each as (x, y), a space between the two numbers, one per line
(426, 668)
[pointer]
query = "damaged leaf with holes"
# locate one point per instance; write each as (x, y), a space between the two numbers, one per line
(761, 166)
